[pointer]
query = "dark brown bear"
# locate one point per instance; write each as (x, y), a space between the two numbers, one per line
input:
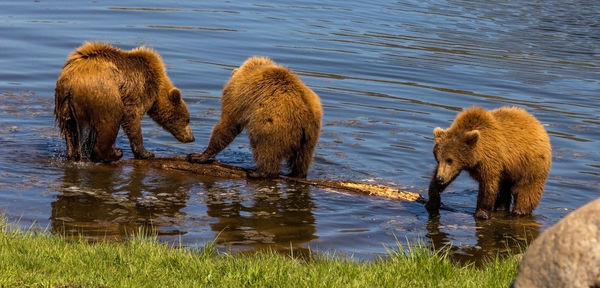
(506, 150)
(281, 115)
(102, 88)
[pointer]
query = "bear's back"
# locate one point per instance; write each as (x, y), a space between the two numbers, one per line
(270, 89)
(96, 66)
(525, 137)
(519, 124)
(94, 54)
(515, 116)
(285, 92)
(96, 57)
(93, 65)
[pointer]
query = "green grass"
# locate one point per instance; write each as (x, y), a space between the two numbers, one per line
(34, 259)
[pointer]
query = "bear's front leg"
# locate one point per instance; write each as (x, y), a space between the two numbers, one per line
(435, 189)
(132, 125)
(198, 158)
(224, 132)
(488, 190)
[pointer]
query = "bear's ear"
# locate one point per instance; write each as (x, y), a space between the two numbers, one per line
(175, 96)
(438, 132)
(472, 137)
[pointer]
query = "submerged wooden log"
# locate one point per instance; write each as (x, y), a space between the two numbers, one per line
(221, 170)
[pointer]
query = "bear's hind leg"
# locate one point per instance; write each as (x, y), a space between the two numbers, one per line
(527, 196)
(299, 164)
(71, 134)
(222, 135)
(103, 148)
(268, 159)
(504, 197)
(300, 160)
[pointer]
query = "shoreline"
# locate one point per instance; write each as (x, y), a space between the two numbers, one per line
(33, 258)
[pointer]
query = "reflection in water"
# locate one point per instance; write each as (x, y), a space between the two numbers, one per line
(502, 234)
(102, 201)
(277, 215)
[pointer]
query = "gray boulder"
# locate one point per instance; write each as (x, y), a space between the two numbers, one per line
(566, 254)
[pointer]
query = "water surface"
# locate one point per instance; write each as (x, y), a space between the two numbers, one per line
(387, 74)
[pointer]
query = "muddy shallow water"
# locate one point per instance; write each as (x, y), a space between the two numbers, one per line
(387, 74)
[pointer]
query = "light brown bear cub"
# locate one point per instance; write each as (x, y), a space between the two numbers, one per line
(282, 117)
(102, 88)
(506, 150)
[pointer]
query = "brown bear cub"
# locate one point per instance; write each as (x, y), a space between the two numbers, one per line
(506, 150)
(282, 117)
(102, 88)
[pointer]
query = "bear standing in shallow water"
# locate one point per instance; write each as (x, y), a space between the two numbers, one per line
(506, 150)
(281, 115)
(102, 88)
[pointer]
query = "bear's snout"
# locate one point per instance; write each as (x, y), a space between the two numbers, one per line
(189, 139)
(187, 136)
(445, 174)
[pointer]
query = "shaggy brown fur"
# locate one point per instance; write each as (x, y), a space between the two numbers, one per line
(506, 150)
(281, 115)
(102, 88)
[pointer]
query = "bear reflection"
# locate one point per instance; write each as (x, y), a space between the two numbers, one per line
(503, 234)
(269, 214)
(103, 201)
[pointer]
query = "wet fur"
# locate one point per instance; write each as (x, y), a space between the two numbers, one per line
(281, 115)
(102, 88)
(506, 150)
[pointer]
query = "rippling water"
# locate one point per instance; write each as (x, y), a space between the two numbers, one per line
(387, 74)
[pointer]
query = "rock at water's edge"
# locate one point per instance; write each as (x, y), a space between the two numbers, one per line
(565, 255)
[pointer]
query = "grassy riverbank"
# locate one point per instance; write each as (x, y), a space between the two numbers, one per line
(37, 259)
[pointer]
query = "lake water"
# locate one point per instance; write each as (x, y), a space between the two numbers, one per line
(387, 72)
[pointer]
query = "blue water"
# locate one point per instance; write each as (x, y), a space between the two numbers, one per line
(387, 73)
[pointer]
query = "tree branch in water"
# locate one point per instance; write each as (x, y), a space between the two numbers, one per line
(221, 170)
